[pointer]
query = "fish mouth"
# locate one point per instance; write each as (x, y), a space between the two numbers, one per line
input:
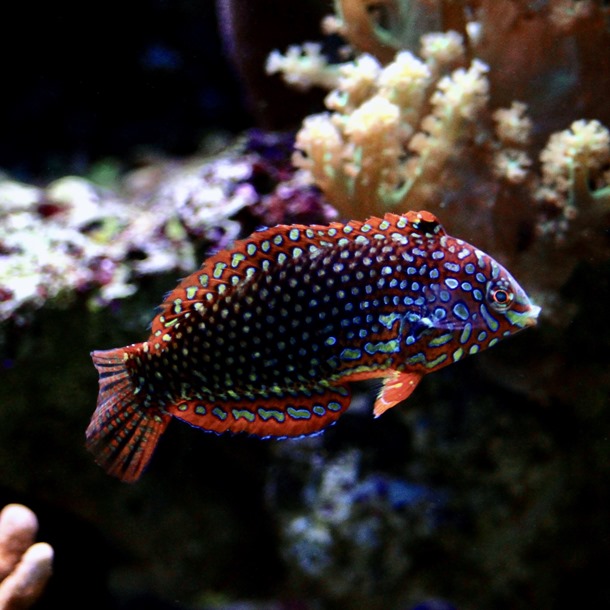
(525, 318)
(532, 316)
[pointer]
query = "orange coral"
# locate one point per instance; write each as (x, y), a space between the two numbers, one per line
(25, 566)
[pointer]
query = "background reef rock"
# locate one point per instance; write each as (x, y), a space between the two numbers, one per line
(489, 489)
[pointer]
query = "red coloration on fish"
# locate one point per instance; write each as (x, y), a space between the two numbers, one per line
(264, 338)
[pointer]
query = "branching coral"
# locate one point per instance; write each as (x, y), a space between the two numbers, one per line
(393, 129)
(25, 566)
(444, 131)
(303, 67)
(572, 200)
(382, 27)
(573, 176)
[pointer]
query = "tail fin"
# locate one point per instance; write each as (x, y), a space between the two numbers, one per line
(122, 434)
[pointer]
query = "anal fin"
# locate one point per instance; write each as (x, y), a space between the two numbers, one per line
(396, 388)
(286, 416)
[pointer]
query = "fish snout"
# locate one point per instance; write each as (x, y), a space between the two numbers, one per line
(531, 319)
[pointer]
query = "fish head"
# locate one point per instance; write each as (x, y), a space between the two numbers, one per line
(509, 303)
(474, 303)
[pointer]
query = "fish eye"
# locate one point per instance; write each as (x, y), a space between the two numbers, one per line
(500, 297)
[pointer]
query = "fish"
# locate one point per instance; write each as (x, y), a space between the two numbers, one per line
(266, 337)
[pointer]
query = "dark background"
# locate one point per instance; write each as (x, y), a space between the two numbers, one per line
(84, 81)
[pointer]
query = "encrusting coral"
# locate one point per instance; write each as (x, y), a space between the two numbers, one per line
(25, 566)
(347, 518)
(77, 237)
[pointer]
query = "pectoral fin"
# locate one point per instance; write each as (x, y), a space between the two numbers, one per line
(396, 388)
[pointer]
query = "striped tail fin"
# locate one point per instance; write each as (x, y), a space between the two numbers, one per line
(122, 434)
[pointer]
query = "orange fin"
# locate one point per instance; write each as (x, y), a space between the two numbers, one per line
(122, 434)
(396, 388)
(273, 417)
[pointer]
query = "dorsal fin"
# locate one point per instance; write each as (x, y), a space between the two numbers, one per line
(225, 270)
(424, 221)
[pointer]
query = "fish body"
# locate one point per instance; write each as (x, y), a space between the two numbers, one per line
(265, 337)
